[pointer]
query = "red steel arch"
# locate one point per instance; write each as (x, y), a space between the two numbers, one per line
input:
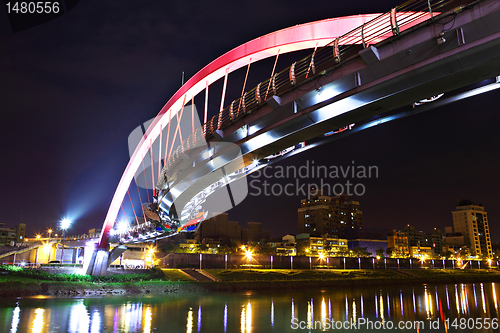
(299, 37)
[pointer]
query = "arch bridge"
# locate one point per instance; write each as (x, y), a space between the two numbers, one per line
(361, 71)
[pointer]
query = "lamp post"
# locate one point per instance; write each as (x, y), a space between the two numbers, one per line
(65, 223)
(248, 255)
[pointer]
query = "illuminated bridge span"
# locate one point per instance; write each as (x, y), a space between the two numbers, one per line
(361, 71)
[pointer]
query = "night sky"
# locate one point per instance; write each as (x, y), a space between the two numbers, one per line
(72, 90)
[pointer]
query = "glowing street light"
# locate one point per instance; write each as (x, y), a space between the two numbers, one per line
(49, 231)
(38, 236)
(151, 252)
(248, 255)
(65, 223)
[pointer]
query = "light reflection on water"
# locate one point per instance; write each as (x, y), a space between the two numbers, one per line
(15, 319)
(250, 312)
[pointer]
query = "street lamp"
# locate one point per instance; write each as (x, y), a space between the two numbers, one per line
(65, 223)
(248, 255)
(152, 255)
(49, 231)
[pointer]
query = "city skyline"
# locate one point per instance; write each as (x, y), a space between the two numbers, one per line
(73, 92)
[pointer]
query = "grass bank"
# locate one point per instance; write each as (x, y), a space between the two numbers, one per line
(266, 279)
(24, 282)
(16, 281)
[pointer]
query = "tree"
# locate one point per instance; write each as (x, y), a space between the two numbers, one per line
(200, 248)
(389, 251)
(224, 249)
(464, 252)
(265, 250)
(447, 254)
(360, 252)
(342, 252)
(171, 248)
(380, 252)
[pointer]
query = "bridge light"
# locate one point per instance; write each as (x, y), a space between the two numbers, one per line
(122, 227)
(325, 93)
(441, 39)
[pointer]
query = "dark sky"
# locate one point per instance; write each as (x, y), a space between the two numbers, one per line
(73, 89)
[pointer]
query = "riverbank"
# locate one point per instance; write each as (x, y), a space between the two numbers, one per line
(273, 280)
(175, 282)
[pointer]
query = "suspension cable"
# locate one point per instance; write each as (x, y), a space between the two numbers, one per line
(206, 103)
(168, 136)
(152, 166)
(180, 118)
(140, 199)
(145, 179)
(272, 73)
(131, 204)
(192, 112)
(244, 84)
(123, 210)
(159, 151)
(176, 130)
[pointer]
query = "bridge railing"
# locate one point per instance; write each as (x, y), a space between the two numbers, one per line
(323, 59)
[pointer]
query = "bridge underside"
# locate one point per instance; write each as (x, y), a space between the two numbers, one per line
(425, 61)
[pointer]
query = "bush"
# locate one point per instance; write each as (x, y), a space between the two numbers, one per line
(152, 273)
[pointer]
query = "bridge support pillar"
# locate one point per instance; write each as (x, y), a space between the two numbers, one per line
(99, 260)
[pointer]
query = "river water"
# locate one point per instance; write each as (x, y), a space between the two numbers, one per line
(420, 308)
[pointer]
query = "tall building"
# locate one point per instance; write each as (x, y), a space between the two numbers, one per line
(397, 241)
(415, 237)
(315, 245)
(371, 238)
(12, 236)
(412, 242)
(472, 222)
(254, 233)
(322, 214)
(218, 228)
(436, 240)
